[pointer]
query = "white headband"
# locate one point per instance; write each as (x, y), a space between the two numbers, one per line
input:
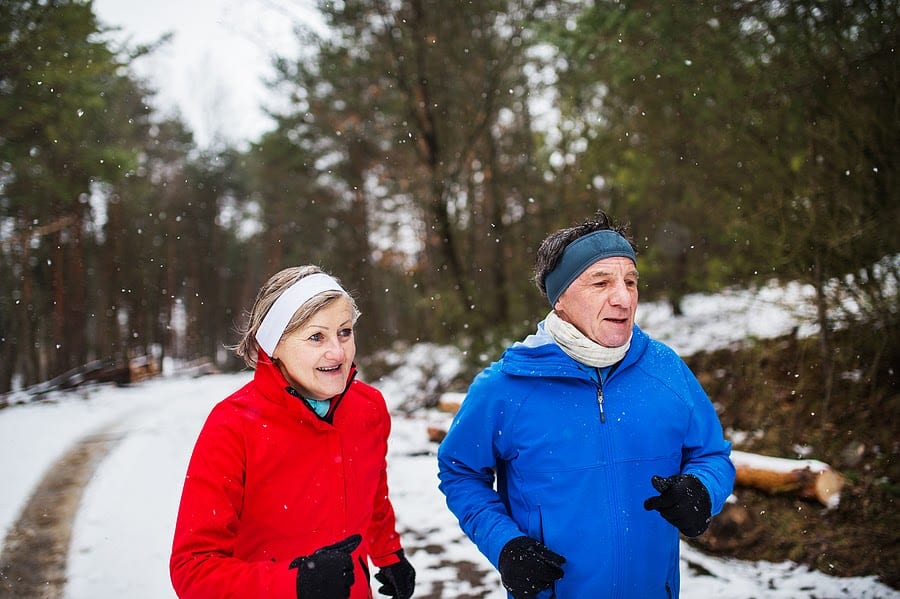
(281, 312)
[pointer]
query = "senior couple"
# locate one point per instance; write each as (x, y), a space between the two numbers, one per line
(573, 464)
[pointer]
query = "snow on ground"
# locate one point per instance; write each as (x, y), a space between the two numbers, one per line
(733, 316)
(122, 533)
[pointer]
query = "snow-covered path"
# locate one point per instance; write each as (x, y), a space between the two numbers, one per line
(122, 533)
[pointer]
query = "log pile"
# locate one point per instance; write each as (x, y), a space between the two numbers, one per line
(99, 371)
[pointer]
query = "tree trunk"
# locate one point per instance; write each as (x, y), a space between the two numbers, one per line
(824, 334)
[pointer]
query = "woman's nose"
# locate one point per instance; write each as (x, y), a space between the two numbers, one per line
(335, 350)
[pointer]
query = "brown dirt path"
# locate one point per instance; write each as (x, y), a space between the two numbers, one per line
(34, 553)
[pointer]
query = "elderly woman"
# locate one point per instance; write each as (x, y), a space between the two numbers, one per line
(286, 492)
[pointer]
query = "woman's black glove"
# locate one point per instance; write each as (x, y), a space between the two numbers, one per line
(683, 501)
(527, 567)
(397, 580)
(328, 572)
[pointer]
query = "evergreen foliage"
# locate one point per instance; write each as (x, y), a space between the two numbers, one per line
(424, 150)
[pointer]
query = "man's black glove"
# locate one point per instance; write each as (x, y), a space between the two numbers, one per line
(397, 580)
(527, 567)
(683, 501)
(328, 572)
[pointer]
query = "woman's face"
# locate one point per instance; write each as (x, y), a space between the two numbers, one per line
(316, 358)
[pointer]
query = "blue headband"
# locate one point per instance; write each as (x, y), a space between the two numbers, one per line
(580, 254)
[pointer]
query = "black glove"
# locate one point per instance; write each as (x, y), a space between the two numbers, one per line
(397, 580)
(527, 567)
(328, 572)
(683, 501)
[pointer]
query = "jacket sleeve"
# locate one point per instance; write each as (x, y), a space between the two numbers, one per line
(705, 453)
(468, 459)
(382, 537)
(202, 565)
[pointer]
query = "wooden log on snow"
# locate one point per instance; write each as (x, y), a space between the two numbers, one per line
(450, 402)
(142, 367)
(808, 479)
(436, 434)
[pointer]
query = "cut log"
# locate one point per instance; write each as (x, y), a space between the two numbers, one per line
(435, 434)
(450, 402)
(808, 479)
(142, 367)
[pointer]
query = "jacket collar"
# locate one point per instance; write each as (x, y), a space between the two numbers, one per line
(539, 356)
(274, 387)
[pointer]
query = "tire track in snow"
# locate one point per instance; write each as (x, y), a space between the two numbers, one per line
(35, 551)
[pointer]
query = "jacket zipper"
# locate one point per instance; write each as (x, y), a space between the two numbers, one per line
(600, 399)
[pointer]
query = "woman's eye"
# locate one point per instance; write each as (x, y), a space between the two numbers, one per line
(345, 332)
(316, 337)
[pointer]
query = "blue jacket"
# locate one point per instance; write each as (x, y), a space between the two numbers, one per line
(573, 458)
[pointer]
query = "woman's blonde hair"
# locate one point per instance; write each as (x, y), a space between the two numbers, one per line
(247, 347)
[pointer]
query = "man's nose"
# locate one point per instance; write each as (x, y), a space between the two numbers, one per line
(621, 296)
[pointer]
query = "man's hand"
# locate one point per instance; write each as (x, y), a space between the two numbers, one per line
(527, 567)
(683, 501)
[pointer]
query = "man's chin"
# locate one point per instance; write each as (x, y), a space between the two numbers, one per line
(616, 338)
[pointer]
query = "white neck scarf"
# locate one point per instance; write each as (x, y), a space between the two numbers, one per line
(580, 348)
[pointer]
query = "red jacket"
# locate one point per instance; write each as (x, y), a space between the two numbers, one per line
(269, 481)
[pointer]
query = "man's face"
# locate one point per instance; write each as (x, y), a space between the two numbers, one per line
(602, 301)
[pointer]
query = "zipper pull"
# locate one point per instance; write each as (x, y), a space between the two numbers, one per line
(600, 403)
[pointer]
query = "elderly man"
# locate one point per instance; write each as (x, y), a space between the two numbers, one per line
(603, 444)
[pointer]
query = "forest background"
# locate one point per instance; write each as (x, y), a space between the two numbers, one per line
(422, 151)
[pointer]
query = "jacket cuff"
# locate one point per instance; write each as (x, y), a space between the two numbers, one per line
(390, 559)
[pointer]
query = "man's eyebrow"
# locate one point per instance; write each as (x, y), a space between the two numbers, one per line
(599, 274)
